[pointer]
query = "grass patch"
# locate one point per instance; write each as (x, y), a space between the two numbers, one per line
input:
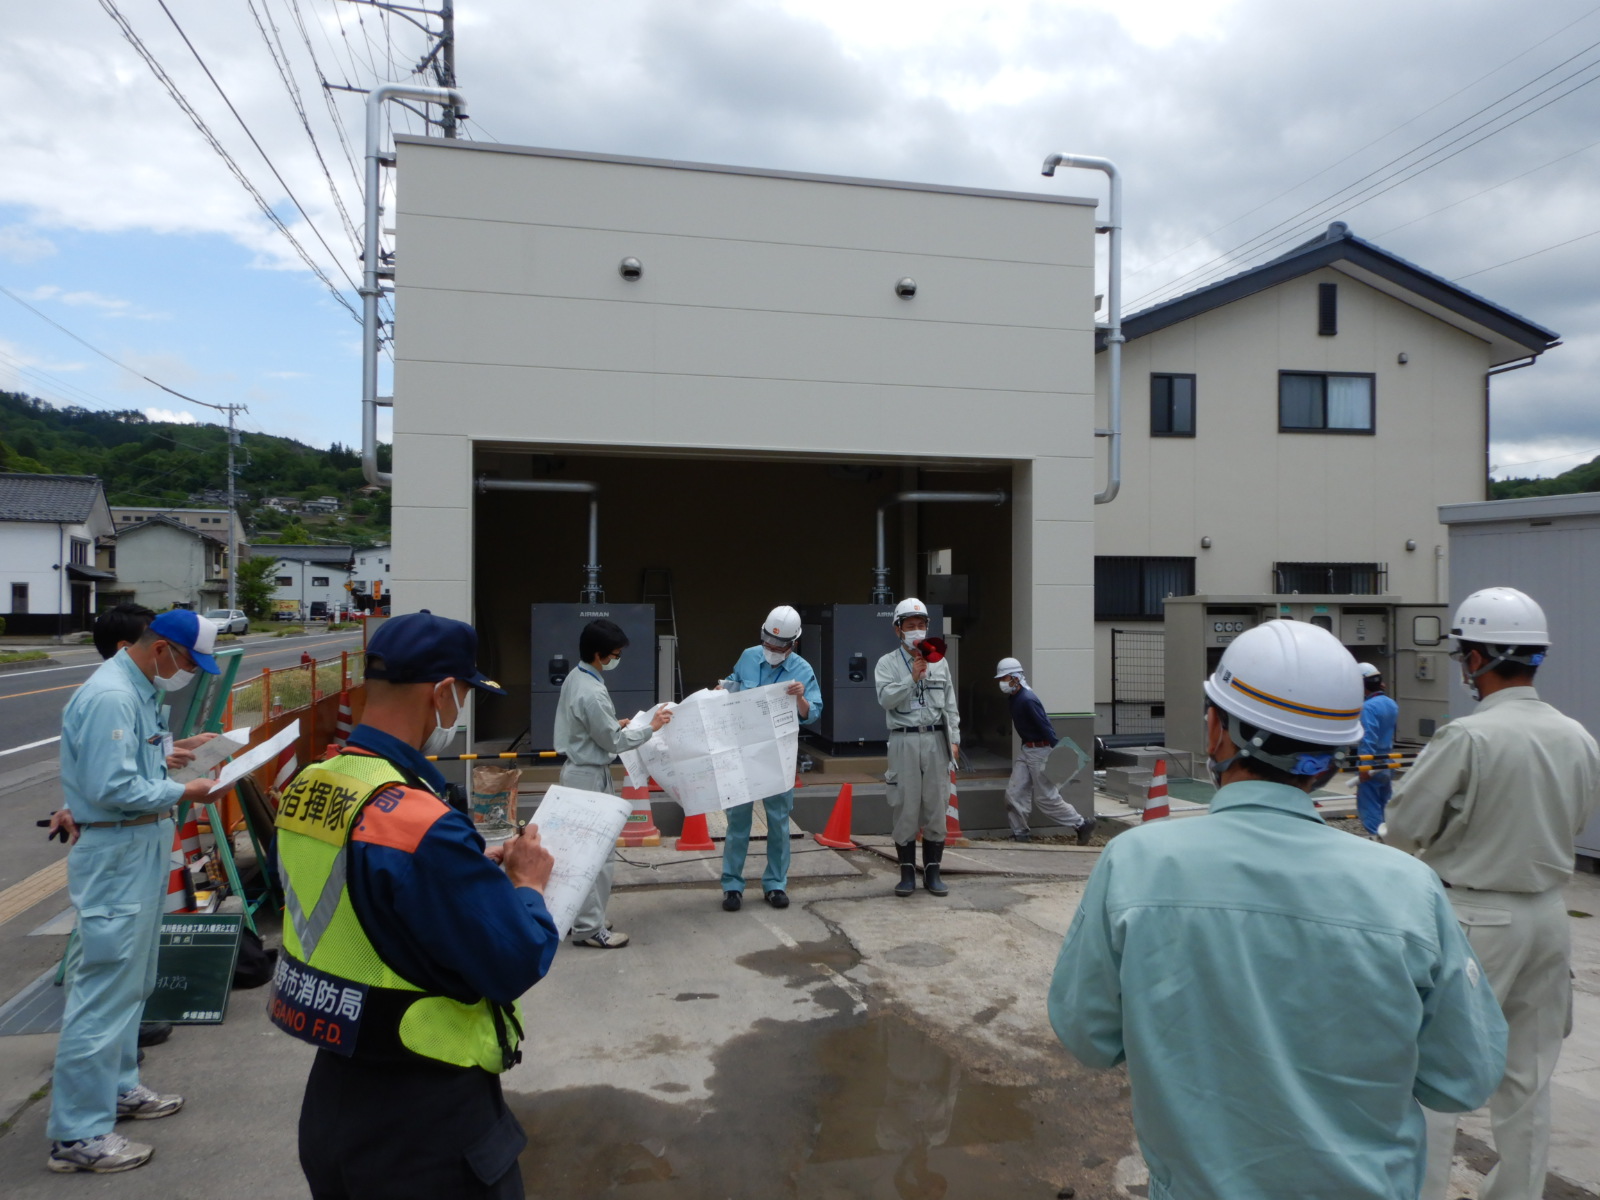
(16, 656)
(288, 630)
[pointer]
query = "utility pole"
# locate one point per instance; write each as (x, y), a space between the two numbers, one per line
(445, 70)
(233, 411)
(440, 60)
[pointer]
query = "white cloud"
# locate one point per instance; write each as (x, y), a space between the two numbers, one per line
(170, 415)
(21, 245)
(107, 306)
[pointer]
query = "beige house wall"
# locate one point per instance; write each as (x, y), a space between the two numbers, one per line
(1265, 497)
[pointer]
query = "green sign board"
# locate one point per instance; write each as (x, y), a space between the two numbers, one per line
(194, 968)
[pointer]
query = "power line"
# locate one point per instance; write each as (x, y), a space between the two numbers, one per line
(1532, 254)
(211, 139)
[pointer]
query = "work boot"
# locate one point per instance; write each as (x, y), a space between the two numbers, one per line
(1025, 836)
(103, 1155)
(1086, 830)
(731, 901)
(932, 855)
(778, 898)
(908, 869)
(153, 1033)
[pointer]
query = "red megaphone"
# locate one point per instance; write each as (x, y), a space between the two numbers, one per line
(932, 649)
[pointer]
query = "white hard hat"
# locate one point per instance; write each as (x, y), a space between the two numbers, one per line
(1368, 671)
(1007, 666)
(1501, 616)
(782, 625)
(909, 607)
(1294, 679)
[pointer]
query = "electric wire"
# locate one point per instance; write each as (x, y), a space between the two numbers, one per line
(212, 140)
(1265, 240)
(1531, 254)
(327, 93)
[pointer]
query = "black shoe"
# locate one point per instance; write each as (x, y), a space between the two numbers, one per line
(778, 898)
(932, 855)
(1086, 830)
(1024, 836)
(731, 901)
(153, 1033)
(908, 869)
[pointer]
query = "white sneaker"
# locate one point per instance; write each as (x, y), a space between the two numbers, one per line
(103, 1155)
(604, 939)
(142, 1104)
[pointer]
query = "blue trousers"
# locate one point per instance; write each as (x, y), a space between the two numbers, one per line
(1372, 797)
(117, 881)
(776, 877)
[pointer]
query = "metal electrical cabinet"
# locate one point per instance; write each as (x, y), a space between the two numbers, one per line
(843, 643)
(555, 653)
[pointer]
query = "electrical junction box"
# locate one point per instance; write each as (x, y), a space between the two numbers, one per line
(1425, 666)
(1364, 629)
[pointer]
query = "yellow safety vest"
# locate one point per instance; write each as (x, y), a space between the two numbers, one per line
(332, 988)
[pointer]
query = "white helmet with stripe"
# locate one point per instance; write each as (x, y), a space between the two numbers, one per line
(909, 607)
(1292, 679)
(781, 627)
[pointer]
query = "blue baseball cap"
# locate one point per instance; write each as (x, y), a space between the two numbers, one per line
(422, 648)
(193, 632)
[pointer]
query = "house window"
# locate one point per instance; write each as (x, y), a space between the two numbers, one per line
(285, 581)
(1327, 309)
(1329, 578)
(19, 599)
(1128, 589)
(1172, 405)
(319, 581)
(1309, 403)
(80, 552)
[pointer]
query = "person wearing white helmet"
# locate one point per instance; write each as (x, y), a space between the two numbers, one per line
(772, 660)
(918, 698)
(1379, 715)
(1493, 805)
(1029, 785)
(1213, 954)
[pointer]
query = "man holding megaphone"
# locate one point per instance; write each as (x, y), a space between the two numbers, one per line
(919, 700)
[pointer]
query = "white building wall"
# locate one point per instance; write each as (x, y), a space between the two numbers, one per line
(165, 566)
(30, 552)
(304, 592)
(373, 566)
(765, 324)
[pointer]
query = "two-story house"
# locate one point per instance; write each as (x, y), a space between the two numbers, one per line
(48, 528)
(309, 576)
(1292, 429)
(165, 563)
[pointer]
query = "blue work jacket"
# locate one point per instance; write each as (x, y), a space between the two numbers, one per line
(1284, 995)
(752, 670)
(1378, 717)
(113, 761)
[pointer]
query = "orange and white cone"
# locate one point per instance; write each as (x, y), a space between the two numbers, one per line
(952, 816)
(1156, 806)
(189, 839)
(180, 893)
(288, 764)
(640, 829)
(344, 724)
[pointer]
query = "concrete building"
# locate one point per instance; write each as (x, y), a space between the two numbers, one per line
(48, 528)
(1294, 429)
(163, 563)
(745, 393)
(371, 569)
(310, 575)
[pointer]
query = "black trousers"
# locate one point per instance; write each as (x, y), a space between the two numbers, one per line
(407, 1132)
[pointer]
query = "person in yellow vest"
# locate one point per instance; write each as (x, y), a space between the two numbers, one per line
(406, 944)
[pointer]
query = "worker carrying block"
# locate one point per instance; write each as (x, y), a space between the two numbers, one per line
(1029, 786)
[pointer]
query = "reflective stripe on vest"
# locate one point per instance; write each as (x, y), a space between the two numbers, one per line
(316, 820)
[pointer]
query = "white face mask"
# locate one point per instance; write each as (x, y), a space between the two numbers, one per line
(913, 636)
(1008, 687)
(611, 664)
(775, 658)
(442, 735)
(175, 682)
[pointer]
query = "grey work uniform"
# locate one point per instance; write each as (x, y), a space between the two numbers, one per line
(588, 734)
(1493, 805)
(923, 725)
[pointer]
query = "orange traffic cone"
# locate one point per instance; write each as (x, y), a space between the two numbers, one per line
(952, 817)
(180, 888)
(837, 835)
(640, 829)
(1156, 806)
(344, 723)
(695, 835)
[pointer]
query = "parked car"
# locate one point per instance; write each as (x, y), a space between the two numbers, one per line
(229, 620)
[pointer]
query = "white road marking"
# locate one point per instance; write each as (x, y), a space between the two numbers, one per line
(845, 985)
(30, 746)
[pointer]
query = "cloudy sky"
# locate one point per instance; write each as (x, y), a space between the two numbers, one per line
(1463, 136)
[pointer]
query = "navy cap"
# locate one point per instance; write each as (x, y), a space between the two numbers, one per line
(422, 648)
(194, 633)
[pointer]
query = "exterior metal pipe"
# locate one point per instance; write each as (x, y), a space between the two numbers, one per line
(880, 573)
(1113, 228)
(592, 592)
(376, 99)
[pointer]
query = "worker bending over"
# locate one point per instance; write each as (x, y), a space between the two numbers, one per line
(1493, 805)
(919, 701)
(1206, 954)
(1029, 785)
(772, 661)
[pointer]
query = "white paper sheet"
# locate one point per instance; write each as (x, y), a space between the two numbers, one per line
(580, 830)
(228, 742)
(632, 761)
(724, 748)
(255, 757)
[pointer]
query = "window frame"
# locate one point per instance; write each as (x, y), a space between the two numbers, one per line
(320, 581)
(1372, 401)
(1378, 571)
(1143, 561)
(1194, 404)
(283, 581)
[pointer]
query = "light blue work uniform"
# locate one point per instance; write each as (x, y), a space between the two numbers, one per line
(1378, 717)
(1284, 995)
(113, 768)
(752, 670)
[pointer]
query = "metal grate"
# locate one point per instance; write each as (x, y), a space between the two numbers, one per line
(1138, 681)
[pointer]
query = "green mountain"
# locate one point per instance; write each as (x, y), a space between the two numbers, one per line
(145, 462)
(1580, 479)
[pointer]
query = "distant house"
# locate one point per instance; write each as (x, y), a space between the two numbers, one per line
(282, 503)
(163, 563)
(322, 504)
(308, 575)
(48, 528)
(370, 571)
(213, 522)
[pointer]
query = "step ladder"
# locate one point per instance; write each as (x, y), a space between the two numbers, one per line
(655, 588)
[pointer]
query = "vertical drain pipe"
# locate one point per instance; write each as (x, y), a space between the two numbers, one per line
(1113, 227)
(592, 592)
(881, 593)
(369, 258)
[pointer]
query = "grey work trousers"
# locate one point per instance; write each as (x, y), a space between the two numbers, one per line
(1030, 787)
(591, 918)
(1523, 941)
(918, 785)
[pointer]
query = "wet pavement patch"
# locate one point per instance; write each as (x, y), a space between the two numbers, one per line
(835, 1109)
(919, 954)
(682, 996)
